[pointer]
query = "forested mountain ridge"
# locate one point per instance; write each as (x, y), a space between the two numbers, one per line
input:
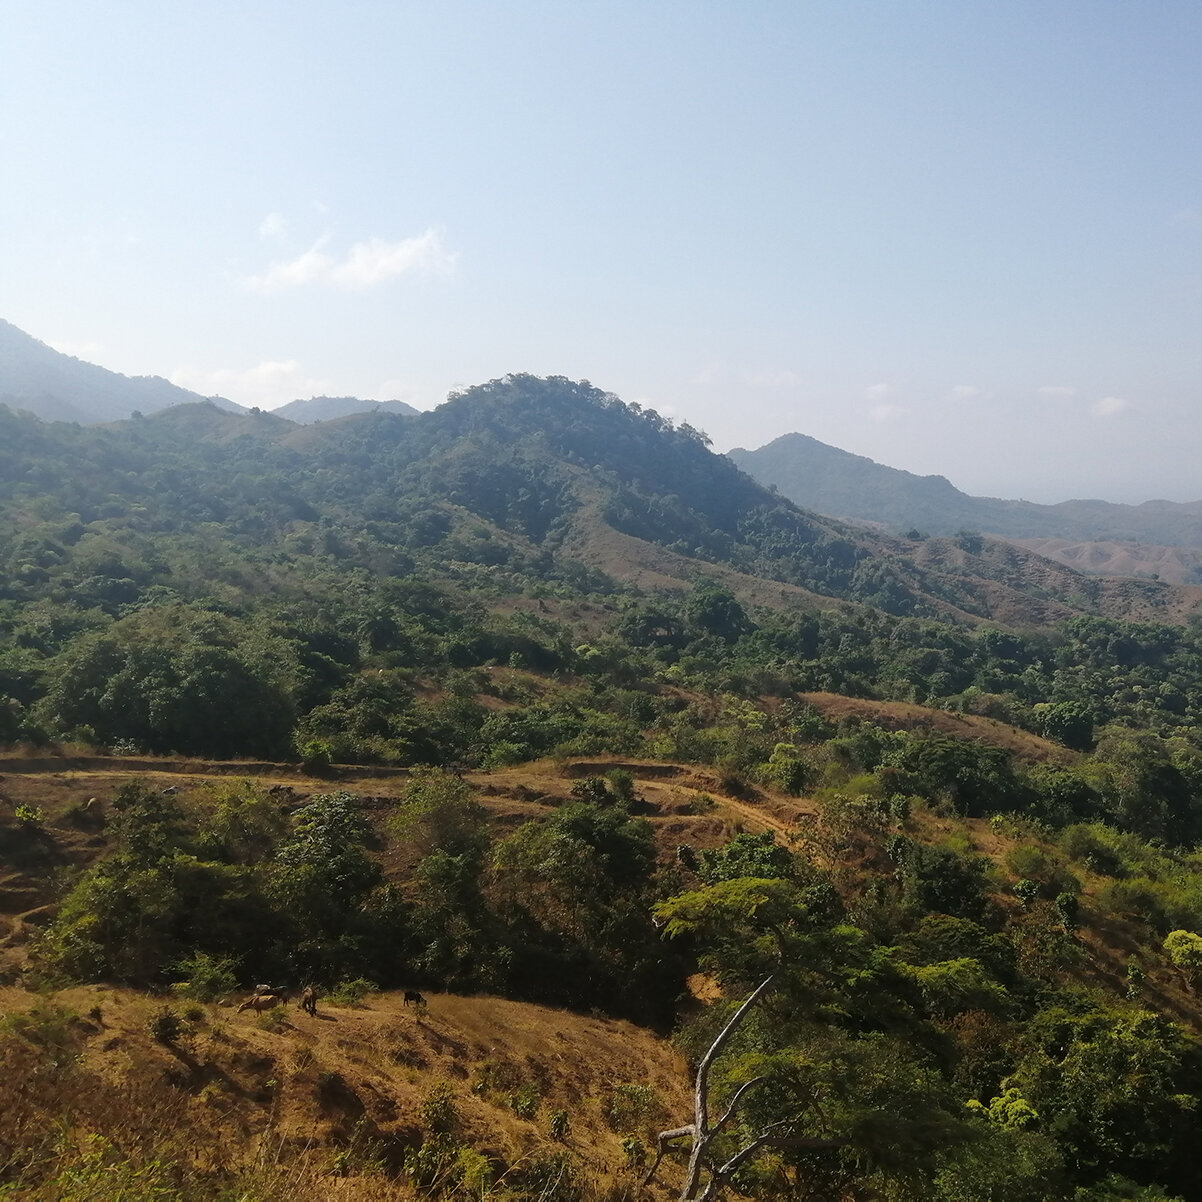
(524, 455)
(247, 529)
(832, 481)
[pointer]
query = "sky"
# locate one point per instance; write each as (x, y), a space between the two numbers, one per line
(959, 237)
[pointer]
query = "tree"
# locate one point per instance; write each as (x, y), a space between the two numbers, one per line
(574, 891)
(824, 1095)
(1184, 949)
(321, 878)
(708, 1172)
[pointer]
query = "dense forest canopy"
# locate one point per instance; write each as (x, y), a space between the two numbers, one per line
(457, 591)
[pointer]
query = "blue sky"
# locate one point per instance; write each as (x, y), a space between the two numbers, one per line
(959, 237)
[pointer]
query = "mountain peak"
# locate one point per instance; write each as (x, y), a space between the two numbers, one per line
(57, 387)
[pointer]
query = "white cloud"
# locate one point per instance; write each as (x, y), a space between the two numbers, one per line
(314, 264)
(370, 262)
(266, 385)
(365, 264)
(886, 412)
(1057, 392)
(967, 392)
(1108, 406)
(877, 392)
(273, 227)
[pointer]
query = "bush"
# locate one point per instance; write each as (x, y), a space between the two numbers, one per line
(206, 978)
(438, 1111)
(629, 1107)
(47, 1027)
(165, 1025)
(635, 1152)
(594, 790)
(525, 1100)
(316, 756)
(621, 782)
(352, 993)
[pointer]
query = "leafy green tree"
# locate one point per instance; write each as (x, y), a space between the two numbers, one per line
(1184, 949)
(443, 836)
(574, 891)
(321, 878)
(1067, 722)
(175, 680)
(716, 611)
(1119, 1091)
(747, 855)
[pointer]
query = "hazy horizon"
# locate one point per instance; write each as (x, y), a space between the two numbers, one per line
(961, 240)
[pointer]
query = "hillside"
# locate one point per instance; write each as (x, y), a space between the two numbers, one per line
(329, 1106)
(205, 581)
(57, 387)
(832, 481)
(1110, 557)
(324, 408)
(534, 700)
(114, 1087)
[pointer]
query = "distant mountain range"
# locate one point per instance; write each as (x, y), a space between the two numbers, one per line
(1157, 538)
(520, 475)
(834, 482)
(326, 408)
(55, 387)
(58, 387)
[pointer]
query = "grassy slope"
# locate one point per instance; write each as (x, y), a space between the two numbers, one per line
(236, 1088)
(245, 1091)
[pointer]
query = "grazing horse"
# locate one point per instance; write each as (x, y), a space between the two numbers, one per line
(308, 1000)
(412, 995)
(258, 1002)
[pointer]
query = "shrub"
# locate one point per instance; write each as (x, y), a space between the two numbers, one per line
(438, 1111)
(621, 782)
(47, 1027)
(165, 1025)
(316, 756)
(594, 790)
(352, 993)
(274, 1021)
(635, 1152)
(548, 1178)
(206, 978)
(524, 1101)
(559, 1124)
(629, 1107)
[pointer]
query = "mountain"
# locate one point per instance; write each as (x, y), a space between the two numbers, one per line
(534, 475)
(831, 481)
(57, 387)
(324, 408)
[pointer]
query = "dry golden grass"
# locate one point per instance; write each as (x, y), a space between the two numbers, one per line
(292, 1101)
(904, 715)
